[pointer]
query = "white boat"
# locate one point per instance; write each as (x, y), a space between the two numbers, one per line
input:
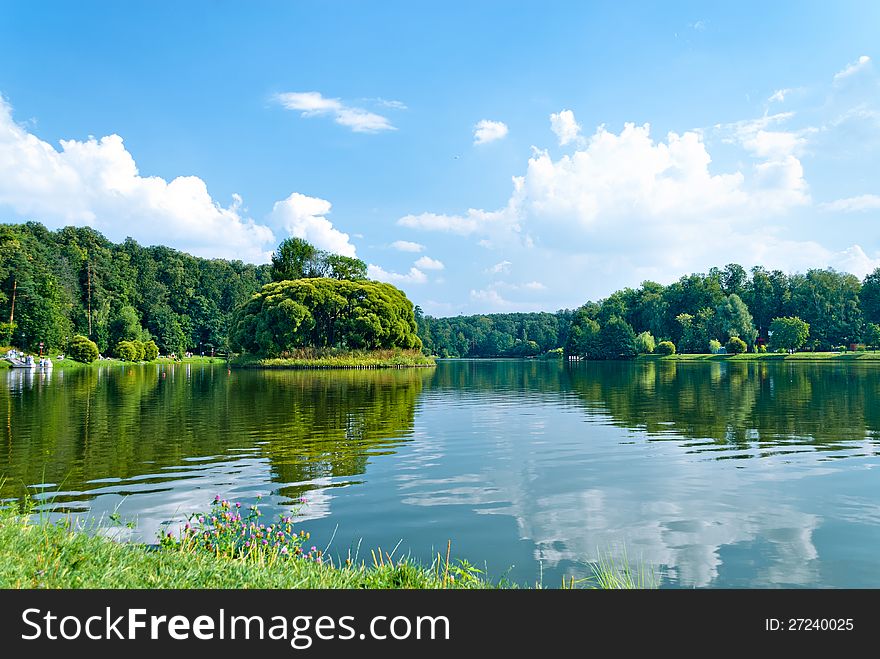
(21, 362)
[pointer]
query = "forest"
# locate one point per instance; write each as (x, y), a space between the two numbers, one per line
(56, 285)
(821, 309)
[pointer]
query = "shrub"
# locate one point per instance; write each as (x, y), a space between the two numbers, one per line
(762, 348)
(645, 343)
(151, 350)
(736, 345)
(82, 349)
(127, 351)
(666, 348)
(140, 352)
(714, 346)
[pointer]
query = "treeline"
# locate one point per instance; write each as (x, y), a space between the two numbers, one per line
(699, 313)
(55, 285)
(494, 335)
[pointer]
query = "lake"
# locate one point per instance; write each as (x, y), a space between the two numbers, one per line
(714, 474)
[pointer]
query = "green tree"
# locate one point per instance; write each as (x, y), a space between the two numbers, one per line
(870, 297)
(322, 312)
(736, 345)
(617, 340)
(82, 349)
(872, 335)
(151, 350)
(666, 348)
(583, 336)
(126, 351)
(733, 319)
(645, 343)
(788, 333)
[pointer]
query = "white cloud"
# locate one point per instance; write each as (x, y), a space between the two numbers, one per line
(863, 202)
(565, 126)
(303, 217)
(474, 221)
(779, 95)
(414, 276)
(407, 246)
(488, 131)
(534, 286)
(394, 105)
(427, 263)
(853, 68)
(313, 104)
(854, 260)
(498, 268)
(96, 183)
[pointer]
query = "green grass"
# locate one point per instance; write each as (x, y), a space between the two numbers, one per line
(37, 553)
(328, 359)
(772, 356)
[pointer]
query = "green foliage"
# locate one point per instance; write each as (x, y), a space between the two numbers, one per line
(75, 282)
(151, 350)
(617, 340)
(788, 333)
(733, 319)
(322, 312)
(7, 332)
(736, 346)
(583, 337)
(714, 346)
(296, 258)
(645, 343)
(82, 349)
(127, 351)
(666, 348)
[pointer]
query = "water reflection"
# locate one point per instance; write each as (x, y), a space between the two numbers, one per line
(718, 474)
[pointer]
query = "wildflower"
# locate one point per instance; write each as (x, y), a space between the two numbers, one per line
(284, 550)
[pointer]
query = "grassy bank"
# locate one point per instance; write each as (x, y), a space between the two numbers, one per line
(772, 357)
(321, 359)
(36, 553)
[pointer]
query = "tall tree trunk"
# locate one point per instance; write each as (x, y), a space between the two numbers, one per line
(12, 308)
(89, 280)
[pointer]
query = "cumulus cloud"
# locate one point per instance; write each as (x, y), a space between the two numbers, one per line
(865, 202)
(304, 217)
(463, 225)
(852, 68)
(97, 183)
(427, 263)
(565, 126)
(414, 276)
(407, 246)
(488, 131)
(854, 260)
(314, 104)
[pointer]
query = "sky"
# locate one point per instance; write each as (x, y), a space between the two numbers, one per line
(483, 157)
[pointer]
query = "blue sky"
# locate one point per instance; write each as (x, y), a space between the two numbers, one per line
(484, 157)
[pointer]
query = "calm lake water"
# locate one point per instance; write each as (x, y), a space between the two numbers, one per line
(716, 474)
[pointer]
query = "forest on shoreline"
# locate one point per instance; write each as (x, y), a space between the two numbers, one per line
(55, 285)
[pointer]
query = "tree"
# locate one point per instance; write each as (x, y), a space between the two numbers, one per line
(583, 336)
(617, 340)
(736, 345)
(872, 335)
(734, 319)
(645, 343)
(82, 349)
(151, 350)
(829, 301)
(296, 258)
(788, 333)
(325, 313)
(126, 351)
(666, 348)
(870, 297)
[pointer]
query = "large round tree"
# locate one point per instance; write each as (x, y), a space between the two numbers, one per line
(324, 313)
